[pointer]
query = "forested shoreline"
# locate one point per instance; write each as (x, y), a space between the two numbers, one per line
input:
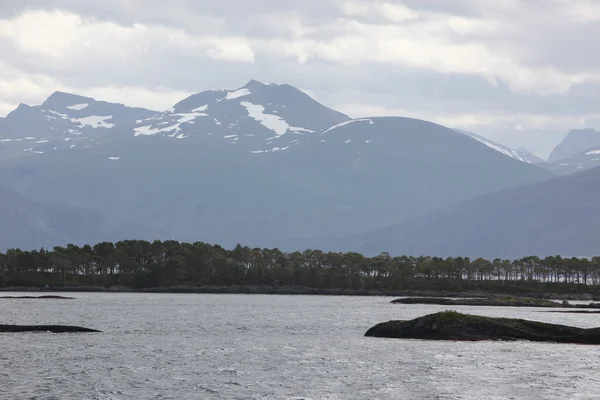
(146, 265)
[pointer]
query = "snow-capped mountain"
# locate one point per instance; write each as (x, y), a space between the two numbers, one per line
(260, 117)
(263, 165)
(63, 121)
(520, 154)
(576, 141)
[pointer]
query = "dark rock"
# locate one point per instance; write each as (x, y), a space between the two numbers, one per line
(38, 297)
(44, 328)
(450, 325)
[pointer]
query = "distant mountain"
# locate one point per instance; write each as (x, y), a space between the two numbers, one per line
(267, 165)
(63, 121)
(581, 161)
(30, 224)
(559, 216)
(576, 141)
(520, 154)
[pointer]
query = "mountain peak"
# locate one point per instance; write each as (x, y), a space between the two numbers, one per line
(257, 84)
(576, 141)
(59, 98)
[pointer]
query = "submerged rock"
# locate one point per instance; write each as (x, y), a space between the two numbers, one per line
(44, 328)
(450, 325)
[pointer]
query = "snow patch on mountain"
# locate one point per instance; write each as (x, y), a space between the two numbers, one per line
(55, 115)
(200, 109)
(78, 107)
(370, 121)
(592, 152)
(176, 125)
(274, 149)
(94, 121)
(297, 129)
(272, 122)
(236, 94)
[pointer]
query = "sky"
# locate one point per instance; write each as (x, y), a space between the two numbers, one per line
(520, 72)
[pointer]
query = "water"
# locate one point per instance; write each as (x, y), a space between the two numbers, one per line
(190, 346)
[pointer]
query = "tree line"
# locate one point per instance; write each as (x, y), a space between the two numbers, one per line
(142, 264)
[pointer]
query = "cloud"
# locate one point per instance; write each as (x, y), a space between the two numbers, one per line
(489, 65)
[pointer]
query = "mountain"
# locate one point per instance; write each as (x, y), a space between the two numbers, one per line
(558, 216)
(581, 161)
(520, 154)
(266, 165)
(29, 224)
(256, 116)
(63, 121)
(576, 141)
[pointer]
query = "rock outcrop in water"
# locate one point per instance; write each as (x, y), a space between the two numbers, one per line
(450, 325)
(52, 297)
(44, 328)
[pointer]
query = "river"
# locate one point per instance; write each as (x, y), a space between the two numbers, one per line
(198, 346)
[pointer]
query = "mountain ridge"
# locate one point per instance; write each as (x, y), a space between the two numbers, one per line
(520, 154)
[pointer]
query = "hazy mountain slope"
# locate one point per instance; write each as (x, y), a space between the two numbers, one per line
(575, 142)
(559, 216)
(520, 154)
(30, 224)
(589, 158)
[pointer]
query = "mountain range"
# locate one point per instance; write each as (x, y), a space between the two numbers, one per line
(263, 165)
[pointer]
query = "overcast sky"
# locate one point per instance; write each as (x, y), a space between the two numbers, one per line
(522, 72)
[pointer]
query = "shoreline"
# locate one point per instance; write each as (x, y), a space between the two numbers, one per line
(300, 290)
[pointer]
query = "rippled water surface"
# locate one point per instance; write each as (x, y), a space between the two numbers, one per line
(192, 346)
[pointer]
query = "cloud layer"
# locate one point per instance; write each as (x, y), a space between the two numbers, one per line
(504, 69)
